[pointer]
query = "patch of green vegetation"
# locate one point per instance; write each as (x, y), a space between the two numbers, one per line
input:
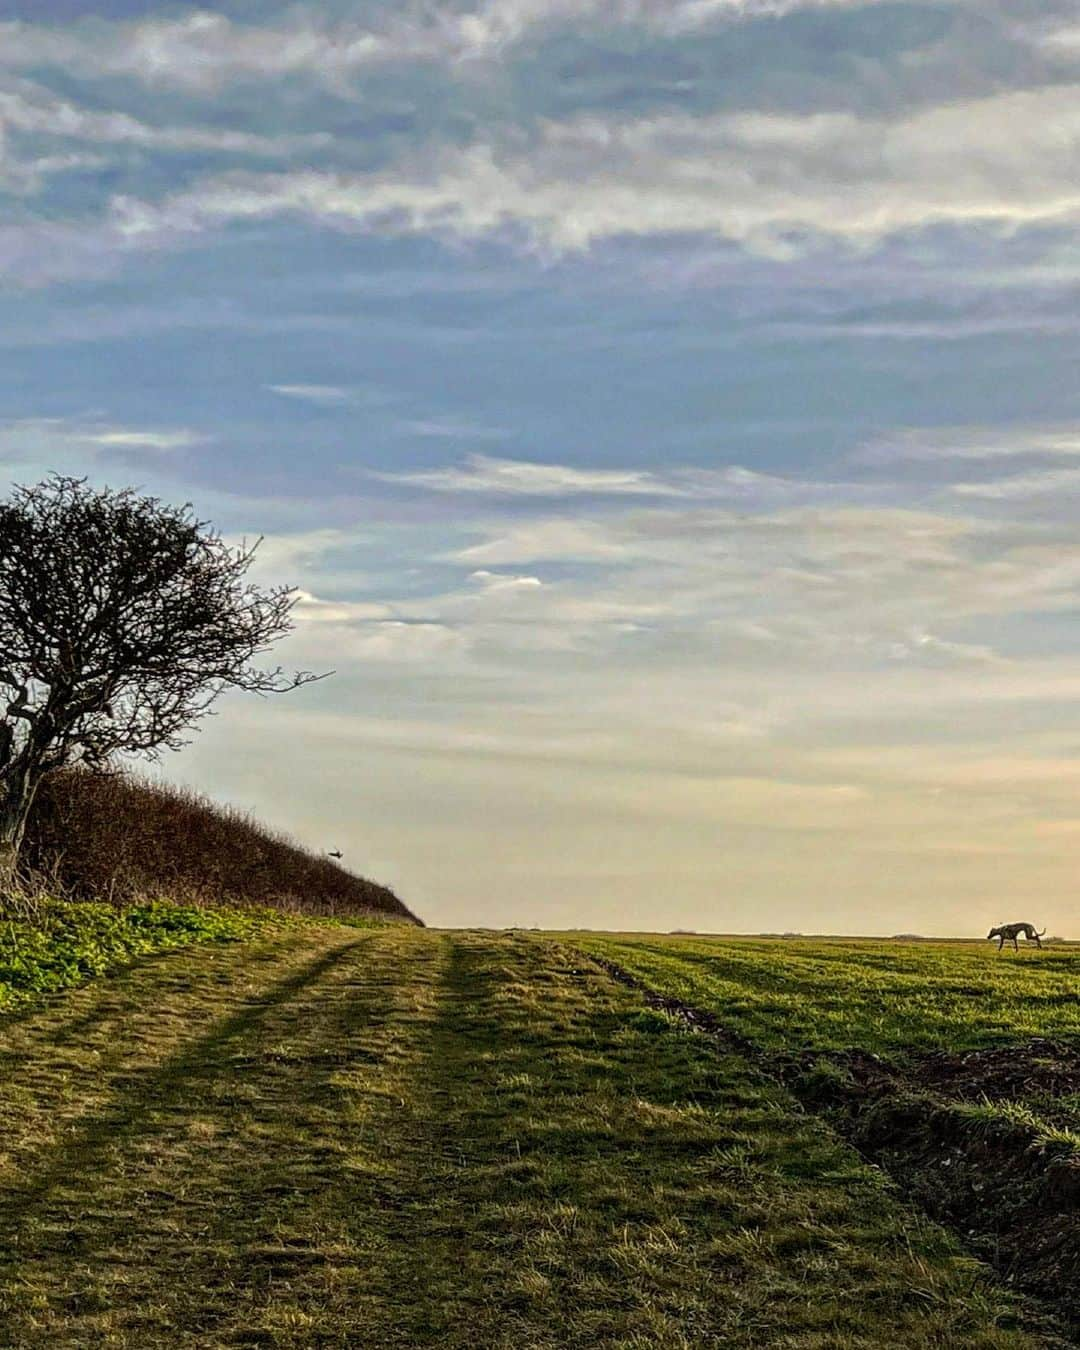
(890, 998)
(65, 943)
(989, 1118)
(399, 1138)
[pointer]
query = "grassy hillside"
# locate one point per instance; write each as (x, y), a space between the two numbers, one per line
(400, 1138)
(121, 839)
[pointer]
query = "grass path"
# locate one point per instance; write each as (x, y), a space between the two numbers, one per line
(401, 1138)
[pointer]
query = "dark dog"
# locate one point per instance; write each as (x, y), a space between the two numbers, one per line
(1009, 932)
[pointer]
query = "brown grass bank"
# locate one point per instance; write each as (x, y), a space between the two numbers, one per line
(118, 837)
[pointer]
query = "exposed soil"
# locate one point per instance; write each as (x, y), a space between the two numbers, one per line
(1035, 1068)
(1012, 1198)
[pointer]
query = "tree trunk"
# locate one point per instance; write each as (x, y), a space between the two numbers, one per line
(10, 840)
(9, 863)
(16, 798)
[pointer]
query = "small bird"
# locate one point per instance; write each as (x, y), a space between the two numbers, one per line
(335, 854)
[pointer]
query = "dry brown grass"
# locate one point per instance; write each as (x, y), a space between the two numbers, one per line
(116, 837)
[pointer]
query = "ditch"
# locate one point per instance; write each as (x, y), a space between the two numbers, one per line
(941, 1127)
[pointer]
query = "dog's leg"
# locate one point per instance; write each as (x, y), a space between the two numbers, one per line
(1001, 942)
(1015, 947)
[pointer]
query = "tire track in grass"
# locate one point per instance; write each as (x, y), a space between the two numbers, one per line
(197, 1203)
(579, 1174)
(411, 1139)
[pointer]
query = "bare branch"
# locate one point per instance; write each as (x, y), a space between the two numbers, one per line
(122, 620)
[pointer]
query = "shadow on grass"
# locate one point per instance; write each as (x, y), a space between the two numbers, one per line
(512, 1225)
(455, 1141)
(32, 1033)
(211, 1198)
(156, 1089)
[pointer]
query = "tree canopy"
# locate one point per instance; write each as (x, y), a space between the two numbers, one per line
(122, 620)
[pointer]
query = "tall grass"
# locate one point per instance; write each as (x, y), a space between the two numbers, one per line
(119, 838)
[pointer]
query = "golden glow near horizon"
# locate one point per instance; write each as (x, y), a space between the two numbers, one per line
(668, 412)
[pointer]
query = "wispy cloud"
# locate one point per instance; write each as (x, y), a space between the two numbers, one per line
(866, 584)
(451, 429)
(325, 395)
(121, 438)
(503, 581)
(34, 439)
(203, 51)
(645, 256)
(554, 540)
(1017, 487)
(776, 183)
(310, 609)
(521, 478)
(485, 475)
(971, 443)
(767, 182)
(32, 110)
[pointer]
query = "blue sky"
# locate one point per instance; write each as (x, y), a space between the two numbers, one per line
(669, 414)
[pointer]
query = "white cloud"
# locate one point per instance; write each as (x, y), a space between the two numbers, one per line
(31, 110)
(485, 475)
(775, 184)
(845, 587)
(555, 539)
(502, 581)
(203, 51)
(972, 443)
(709, 632)
(1057, 482)
(927, 648)
(27, 175)
(450, 428)
(1057, 38)
(327, 395)
(311, 609)
(119, 438)
(350, 633)
(521, 478)
(285, 551)
(396, 640)
(199, 52)
(765, 181)
(941, 327)
(57, 440)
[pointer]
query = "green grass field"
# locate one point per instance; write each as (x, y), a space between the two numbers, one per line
(396, 1137)
(897, 1000)
(953, 1066)
(886, 997)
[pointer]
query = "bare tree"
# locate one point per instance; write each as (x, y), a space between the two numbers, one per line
(122, 619)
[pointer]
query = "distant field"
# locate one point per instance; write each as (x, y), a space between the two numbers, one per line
(400, 1138)
(954, 1067)
(891, 998)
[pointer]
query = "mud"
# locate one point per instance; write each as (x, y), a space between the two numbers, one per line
(1012, 1198)
(1034, 1068)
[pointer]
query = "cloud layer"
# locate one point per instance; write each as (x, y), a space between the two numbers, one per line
(667, 413)
(995, 153)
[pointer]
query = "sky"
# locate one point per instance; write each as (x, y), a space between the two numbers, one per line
(667, 412)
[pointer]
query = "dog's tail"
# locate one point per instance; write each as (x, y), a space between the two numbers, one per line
(1042, 934)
